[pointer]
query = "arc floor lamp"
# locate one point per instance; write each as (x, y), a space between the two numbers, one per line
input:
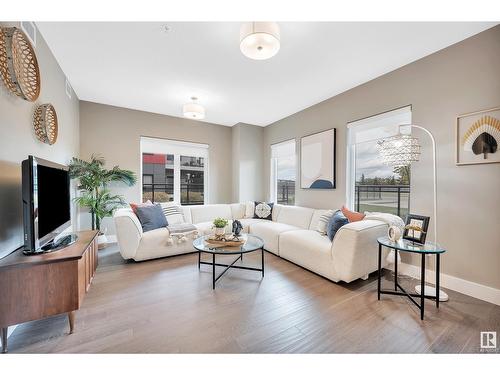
(403, 150)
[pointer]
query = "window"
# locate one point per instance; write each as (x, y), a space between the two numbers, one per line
(192, 179)
(157, 177)
(371, 185)
(283, 172)
(174, 171)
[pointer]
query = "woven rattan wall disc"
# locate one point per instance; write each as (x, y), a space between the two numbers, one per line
(18, 64)
(45, 123)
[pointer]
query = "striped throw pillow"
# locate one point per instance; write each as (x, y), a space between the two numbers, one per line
(323, 221)
(173, 213)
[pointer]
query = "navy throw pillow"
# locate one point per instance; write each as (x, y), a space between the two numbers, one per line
(151, 217)
(263, 210)
(336, 222)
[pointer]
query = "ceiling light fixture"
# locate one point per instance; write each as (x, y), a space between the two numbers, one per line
(260, 40)
(193, 110)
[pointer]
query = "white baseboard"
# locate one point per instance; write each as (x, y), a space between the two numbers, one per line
(469, 288)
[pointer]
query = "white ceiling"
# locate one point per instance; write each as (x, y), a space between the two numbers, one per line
(140, 66)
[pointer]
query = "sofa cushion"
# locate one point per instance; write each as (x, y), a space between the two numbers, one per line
(263, 210)
(249, 209)
(270, 231)
(151, 217)
(276, 211)
(308, 249)
(247, 223)
(186, 212)
(296, 216)
(208, 212)
(238, 210)
(320, 219)
(156, 244)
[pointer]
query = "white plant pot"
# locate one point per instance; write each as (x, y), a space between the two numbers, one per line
(219, 231)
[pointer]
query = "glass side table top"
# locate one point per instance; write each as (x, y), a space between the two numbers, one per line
(411, 247)
(251, 243)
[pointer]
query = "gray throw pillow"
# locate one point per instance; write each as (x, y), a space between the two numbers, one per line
(336, 222)
(151, 217)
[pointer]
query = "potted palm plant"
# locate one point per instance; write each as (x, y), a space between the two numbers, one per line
(93, 181)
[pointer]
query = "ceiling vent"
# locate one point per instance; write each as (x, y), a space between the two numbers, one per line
(30, 30)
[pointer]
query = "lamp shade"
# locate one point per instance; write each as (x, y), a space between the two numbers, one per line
(194, 111)
(399, 150)
(259, 40)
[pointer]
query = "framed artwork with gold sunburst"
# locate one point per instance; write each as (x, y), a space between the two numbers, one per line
(478, 137)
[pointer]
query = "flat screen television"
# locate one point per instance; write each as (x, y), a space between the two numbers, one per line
(46, 205)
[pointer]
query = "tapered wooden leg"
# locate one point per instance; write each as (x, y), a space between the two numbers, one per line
(4, 339)
(71, 318)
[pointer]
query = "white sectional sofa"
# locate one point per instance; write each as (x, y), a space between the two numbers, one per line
(290, 235)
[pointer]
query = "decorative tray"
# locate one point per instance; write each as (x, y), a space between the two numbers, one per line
(227, 241)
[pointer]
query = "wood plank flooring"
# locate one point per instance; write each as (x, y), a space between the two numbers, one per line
(168, 306)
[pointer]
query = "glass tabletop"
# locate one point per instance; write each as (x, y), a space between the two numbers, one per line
(412, 247)
(251, 243)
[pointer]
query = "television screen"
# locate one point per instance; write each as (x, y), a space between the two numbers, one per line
(53, 198)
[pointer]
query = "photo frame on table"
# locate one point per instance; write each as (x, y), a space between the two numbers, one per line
(418, 221)
(317, 160)
(477, 137)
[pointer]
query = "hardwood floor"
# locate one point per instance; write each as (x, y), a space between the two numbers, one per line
(168, 306)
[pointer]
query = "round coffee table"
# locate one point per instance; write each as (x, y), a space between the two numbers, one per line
(252, 243)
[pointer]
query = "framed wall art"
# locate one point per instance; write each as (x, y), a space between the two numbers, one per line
(416, 228)
(317, 160)
(478, 137)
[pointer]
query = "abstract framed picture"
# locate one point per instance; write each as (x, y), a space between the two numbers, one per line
(478, 137)
(317, 160)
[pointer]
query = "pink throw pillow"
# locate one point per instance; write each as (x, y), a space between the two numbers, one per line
(352, 215)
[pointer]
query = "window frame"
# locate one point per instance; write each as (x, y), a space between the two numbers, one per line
(177, 149)
(366, 122)
(273, 183)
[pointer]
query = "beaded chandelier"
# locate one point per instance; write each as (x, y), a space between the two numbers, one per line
(399, 150)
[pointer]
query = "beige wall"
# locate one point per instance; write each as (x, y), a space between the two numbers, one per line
(247, 162)
(17, 139)
(114, 133)
(462, 78)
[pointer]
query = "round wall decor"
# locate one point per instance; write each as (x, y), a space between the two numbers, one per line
(45, 123)
(18, 64)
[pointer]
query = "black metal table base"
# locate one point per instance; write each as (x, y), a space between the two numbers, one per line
(403, 292)
(228, 266)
